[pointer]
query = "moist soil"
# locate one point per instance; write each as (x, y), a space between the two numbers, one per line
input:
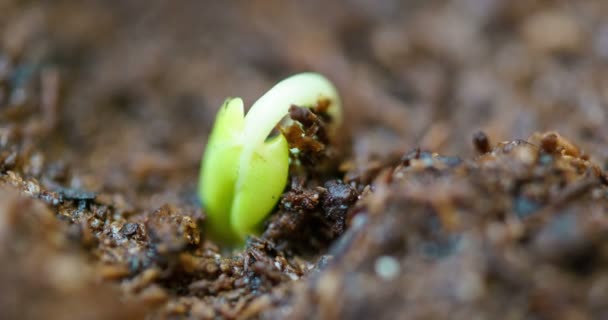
(468, 180)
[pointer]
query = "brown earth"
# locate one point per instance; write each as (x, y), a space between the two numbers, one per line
(468, 181)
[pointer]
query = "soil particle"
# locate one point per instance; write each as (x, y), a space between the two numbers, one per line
(310, 218)
(129, 229)
(75, 194)
(170, 231)
(308, 136)
(481, 142)
(552, 142)
(337, 199)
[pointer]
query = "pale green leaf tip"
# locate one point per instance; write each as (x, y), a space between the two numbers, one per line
(243, 174)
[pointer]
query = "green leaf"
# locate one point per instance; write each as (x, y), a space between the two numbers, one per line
(219, 169)
(262, 183)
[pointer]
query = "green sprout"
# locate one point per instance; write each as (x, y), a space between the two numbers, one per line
(244, 170)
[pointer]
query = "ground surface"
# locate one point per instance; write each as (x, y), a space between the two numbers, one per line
(450, 196)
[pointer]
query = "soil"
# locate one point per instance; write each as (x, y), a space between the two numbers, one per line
(468, 180)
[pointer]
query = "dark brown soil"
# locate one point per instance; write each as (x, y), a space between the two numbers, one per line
(467, 182)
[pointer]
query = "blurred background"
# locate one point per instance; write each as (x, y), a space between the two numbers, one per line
(140, 81)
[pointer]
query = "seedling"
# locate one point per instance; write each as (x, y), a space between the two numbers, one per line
(244, 169)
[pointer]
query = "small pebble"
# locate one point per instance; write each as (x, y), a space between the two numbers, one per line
(387, 267)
